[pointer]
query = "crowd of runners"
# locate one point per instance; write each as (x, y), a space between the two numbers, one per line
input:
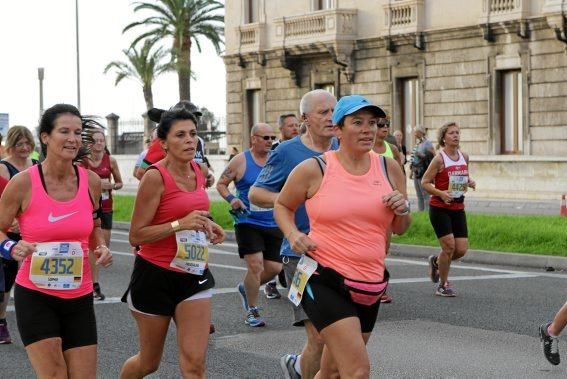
(291, 226)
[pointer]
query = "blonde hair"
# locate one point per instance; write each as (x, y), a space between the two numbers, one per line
(15, 133)
(443, 130)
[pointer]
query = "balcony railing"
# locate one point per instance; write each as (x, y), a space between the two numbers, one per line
(330, 25)
(252, 37)
(503, 10)
(403, 17)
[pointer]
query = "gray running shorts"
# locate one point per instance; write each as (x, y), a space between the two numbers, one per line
(289, 266)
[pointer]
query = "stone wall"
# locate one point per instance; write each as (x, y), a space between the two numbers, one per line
(458, 72)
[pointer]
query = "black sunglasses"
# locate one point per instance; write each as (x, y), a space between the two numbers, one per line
(383, 125)
(265, 138)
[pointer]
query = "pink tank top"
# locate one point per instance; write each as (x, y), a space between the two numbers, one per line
(349, 222)
(175, 203)
(49, 220)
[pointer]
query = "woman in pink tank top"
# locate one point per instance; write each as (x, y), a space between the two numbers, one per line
(353, 199)
(55, 204)
(171, 278)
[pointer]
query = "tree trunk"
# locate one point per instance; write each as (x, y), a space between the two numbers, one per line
(149, 99)
(184, 70)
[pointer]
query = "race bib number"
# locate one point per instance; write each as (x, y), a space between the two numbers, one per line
(57, 265)
(458, 185)
(305, 268)
(105, 195)
(192, 252)
(255, 208)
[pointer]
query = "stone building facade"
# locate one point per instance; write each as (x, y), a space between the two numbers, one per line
(497, 67)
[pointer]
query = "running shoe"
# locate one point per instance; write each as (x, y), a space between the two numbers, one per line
(271, 290)
(4, 334)
(282, 279)
(386, 299)
(445, 291)
(242, 292)
(253, 318)
(433, 269)
(287, 363)
(550, 345)
(97, 293)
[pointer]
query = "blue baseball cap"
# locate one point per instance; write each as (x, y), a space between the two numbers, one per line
(350, 104)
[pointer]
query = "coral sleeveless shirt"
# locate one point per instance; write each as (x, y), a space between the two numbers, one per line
(349, 222)
(174, 204)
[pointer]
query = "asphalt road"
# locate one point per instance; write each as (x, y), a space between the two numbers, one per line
(488, 331)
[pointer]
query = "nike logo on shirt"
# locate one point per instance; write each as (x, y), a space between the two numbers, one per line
(202, 281)
(52, 218)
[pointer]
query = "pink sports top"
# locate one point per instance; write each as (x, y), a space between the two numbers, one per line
(174, 204)
(349, 222)
(49, 220)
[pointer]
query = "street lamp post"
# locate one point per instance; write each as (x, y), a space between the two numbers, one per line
(77, 41)
(40, 72)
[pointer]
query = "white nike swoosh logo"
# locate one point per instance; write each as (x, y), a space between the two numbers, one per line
(202, 281)
(52, 218)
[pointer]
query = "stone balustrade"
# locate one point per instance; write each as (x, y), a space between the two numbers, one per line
(327, 26)
(494, 11)
(252, 37)
(403, 17)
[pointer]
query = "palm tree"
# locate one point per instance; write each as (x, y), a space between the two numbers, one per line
(143, 65)
(184, 21)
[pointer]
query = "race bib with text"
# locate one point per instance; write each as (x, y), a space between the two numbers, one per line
(192, 252)
(57, 265)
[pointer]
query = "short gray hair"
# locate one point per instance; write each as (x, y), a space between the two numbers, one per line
(257, 126)
(282, 118)
(305, 105)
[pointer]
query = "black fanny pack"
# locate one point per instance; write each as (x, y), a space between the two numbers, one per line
(360, 292)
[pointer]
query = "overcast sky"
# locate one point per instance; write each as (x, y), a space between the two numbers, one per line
(41, 33)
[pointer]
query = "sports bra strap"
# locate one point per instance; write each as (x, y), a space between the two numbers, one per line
(321, 162)
(384, 165)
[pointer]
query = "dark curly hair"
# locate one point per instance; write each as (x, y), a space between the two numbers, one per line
(90, 125)
(169, 117)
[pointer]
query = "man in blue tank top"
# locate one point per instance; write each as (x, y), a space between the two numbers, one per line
(257, 234)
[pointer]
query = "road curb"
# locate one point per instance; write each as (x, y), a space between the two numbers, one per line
(473, 256)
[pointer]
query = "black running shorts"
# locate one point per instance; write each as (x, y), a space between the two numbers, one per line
(155, 290)
(448, 221)
(253, 239)
(41, 316)
(10, 266)
(106, 220)
(10, 272)
(324, 305)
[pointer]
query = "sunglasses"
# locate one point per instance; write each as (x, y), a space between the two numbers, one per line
(382, 125)
(265, 138)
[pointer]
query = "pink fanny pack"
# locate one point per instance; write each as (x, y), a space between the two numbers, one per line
(366, 293)
(363, 293)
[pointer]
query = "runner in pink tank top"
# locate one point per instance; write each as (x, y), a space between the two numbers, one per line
(353, 199)
(54, 204)
(171, 276)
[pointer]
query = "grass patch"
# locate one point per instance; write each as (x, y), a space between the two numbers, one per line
(123, 205)
(544, 235)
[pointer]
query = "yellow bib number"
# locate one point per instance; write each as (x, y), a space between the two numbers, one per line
(57, 265)
(192, 252)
